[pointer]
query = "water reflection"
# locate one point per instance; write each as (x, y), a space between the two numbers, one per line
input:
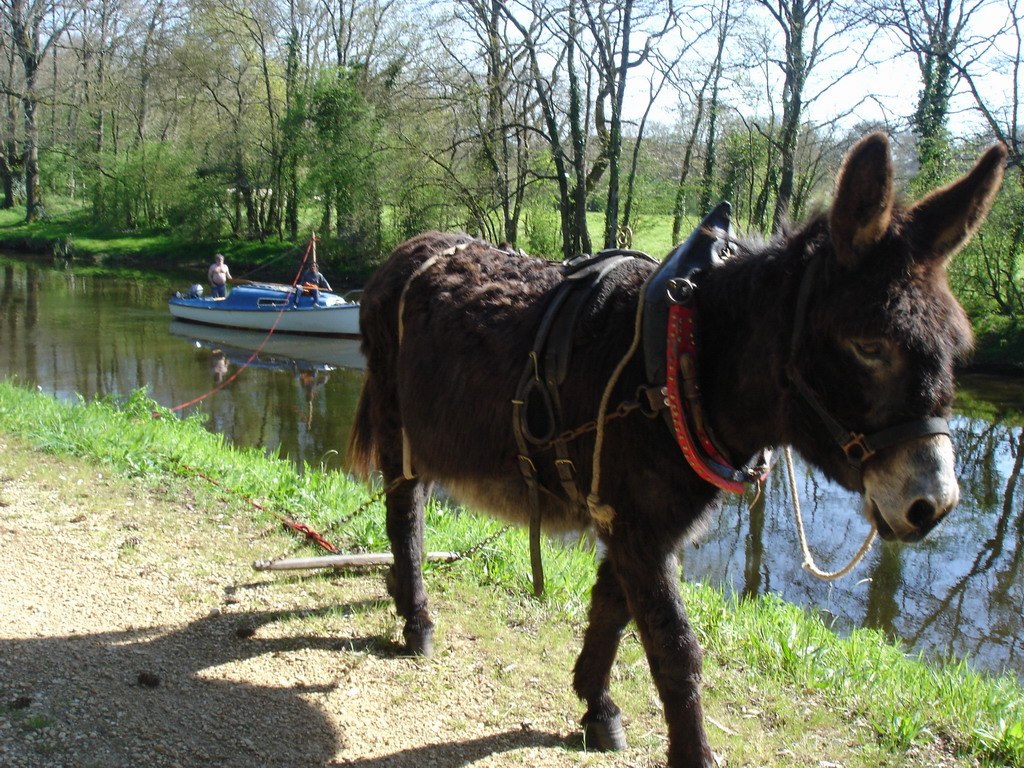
(959, 592)
(311, 360)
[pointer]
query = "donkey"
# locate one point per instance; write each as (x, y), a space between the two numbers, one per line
(839, 338)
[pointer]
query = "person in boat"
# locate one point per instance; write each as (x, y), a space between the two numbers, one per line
(219, 274)
(314, 280)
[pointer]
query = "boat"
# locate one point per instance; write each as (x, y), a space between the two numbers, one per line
(266, 306)
(285, 351)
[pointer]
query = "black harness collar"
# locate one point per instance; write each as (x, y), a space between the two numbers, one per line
(669, 326)
(670, 352)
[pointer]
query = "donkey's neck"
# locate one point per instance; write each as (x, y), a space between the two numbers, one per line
(745, 313)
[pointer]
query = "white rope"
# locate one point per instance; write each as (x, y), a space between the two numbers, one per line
(808, 563)
(604, 514)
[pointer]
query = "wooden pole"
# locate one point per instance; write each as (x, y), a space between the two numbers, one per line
(362, 560)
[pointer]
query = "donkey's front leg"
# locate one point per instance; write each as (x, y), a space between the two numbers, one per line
(649, 579)
(405, 505)
(609, 614)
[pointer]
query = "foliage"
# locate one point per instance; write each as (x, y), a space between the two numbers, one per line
(343, 143)
(989, 275)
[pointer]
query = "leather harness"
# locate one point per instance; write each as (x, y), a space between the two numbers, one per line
(670, 359)
(537, 407)
(670, 352)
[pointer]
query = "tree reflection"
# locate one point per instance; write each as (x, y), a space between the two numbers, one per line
(992, 578)
(754, 548)
(885, 582)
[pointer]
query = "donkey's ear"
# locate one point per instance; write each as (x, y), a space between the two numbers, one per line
(862, 210)
(944, 221)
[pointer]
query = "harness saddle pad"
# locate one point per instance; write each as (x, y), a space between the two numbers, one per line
(700, 251)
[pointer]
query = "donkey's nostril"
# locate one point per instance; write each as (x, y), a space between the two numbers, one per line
(922, 514)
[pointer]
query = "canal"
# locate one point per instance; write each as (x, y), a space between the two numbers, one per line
(958, 593)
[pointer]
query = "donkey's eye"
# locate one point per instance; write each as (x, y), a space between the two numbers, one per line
(870, 351)
(868, 348)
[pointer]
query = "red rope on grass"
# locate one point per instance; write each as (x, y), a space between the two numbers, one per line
(255, 354)
(310, 534)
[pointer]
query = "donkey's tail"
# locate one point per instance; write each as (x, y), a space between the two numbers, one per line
(362, 445)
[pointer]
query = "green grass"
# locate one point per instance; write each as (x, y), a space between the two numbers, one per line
(802, 682)
(154, 250)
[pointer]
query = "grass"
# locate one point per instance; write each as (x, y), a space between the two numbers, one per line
(155, 250)
(778, 681)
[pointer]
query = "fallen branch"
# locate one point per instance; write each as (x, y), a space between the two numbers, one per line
(363, 560)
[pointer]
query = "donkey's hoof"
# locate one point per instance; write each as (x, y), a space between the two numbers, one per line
(604, 735)
(419, 641)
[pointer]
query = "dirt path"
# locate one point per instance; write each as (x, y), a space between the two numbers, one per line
(134, 632)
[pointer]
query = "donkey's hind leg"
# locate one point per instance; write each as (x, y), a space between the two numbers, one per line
(609, 614)
(405, 509)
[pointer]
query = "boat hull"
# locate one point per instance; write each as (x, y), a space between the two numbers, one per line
(262, 308)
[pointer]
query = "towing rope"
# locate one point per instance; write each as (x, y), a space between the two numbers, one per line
(313, 536)
(255, 354)
(294, 525)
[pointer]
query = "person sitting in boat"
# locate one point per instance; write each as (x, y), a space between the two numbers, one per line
(219, 274)
(314, 280)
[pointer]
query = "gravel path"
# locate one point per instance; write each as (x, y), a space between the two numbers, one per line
(134, 632)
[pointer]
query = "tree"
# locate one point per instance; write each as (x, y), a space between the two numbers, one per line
(990, 67)
(723, 21)
(612, 26)
(343, 140)
(35, 26)
(482, 94)
(10, 157)
(804, 25)
(932, 32)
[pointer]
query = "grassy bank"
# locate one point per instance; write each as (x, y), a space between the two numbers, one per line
(781, 688)
(68, 231)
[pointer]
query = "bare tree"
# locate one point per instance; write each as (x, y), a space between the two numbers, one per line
(990, 67)
(10, 87)
(553, 37)
(997, 57)
(806, 33)
(933, 33)
(35, 26)
(723, 22)
(613, 26)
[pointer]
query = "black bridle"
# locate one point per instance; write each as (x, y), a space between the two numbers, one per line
(857, 446)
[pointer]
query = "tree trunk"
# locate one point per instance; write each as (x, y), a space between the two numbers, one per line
(710, 154)
(614, 149)
(577, 236)
(679, 204)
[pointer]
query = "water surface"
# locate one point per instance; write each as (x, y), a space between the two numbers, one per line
(959, 592)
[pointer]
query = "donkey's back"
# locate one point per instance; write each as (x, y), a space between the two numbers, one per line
(448, 322)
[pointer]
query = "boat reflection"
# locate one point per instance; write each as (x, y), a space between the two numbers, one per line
(280, 351)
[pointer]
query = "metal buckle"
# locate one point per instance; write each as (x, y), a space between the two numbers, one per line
(680, 290)
(527, 467)
(856, 449)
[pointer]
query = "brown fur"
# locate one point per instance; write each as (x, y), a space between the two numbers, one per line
(471, 318)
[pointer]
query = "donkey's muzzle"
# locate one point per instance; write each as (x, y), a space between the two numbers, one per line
(910, 489)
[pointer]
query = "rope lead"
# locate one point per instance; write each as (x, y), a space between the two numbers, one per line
(808, 564)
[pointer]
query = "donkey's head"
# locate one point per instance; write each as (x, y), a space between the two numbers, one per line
(878, 333)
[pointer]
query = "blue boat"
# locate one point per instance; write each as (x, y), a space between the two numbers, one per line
(262, 306)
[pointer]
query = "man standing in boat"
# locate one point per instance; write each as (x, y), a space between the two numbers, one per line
(313, 279)
(219, 274)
